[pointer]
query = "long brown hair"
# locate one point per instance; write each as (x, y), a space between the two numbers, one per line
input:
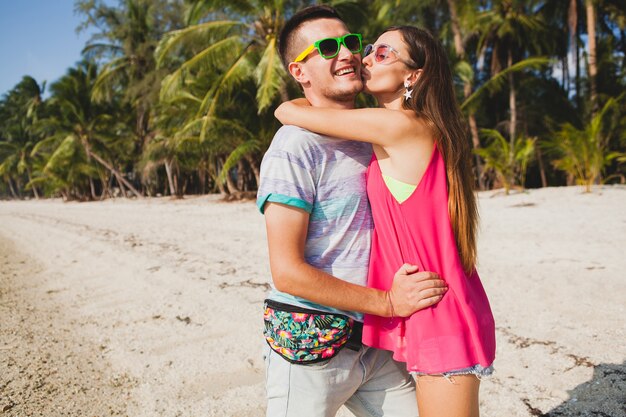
(434, 100)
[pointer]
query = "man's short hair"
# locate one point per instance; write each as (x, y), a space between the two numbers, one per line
(289, 33)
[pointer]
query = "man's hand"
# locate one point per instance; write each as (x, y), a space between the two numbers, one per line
(412, 290)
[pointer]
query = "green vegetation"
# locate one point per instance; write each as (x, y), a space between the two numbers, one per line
(176, 97)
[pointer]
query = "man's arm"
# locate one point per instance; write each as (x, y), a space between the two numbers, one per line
(286, 234)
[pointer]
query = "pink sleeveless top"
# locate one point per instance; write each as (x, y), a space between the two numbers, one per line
(459, 331)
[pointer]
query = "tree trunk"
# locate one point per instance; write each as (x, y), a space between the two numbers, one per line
(542, 169)
(217, 167)
(179, 189)
(223, 191)
(241, 175)
(255, 169)
(467, 88)
(591, 42)
(117, 174)
(104, 181)
(202, 176)
(231, 187)
(512, 108)
(30, 180)
(13, 193)
(92, 188)
(106, 187)
(170, 180)
(142, 125)
(121, 184)
(565, 84)
(577, 80)
(85, 143)
(572, 24)
(456, 30)
(230, 184)
(476, 144)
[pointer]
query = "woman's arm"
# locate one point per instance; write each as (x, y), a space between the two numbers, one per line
(374, 125)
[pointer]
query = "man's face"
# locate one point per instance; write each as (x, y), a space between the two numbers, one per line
(336, 79)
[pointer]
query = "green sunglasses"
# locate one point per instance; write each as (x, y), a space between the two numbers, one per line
(329, 47)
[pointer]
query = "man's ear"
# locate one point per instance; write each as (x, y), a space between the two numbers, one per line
(298, 72)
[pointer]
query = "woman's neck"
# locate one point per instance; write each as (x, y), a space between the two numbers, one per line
(390, 102)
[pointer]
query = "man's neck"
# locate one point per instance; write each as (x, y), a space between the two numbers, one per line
(331, 103)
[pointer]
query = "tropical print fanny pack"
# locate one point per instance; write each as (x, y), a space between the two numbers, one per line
(304, 336)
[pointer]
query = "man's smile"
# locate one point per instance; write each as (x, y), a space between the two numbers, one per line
(345, 70)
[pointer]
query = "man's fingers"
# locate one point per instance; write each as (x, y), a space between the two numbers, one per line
(427, 302)
(433, 292)
(409, 269)
(424, 276)
(433, 287)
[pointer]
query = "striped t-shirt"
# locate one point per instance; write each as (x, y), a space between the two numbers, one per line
(325, 177)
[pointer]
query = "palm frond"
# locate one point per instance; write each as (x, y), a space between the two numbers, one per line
(108, 78)
(464, 71)
(213, 56)
(498, 81)
(238, 71)
(192, 34)
(269, 75)
(236, 155)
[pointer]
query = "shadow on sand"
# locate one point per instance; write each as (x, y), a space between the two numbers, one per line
(604, 395)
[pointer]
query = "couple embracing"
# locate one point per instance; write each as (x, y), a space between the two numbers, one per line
(371, 225)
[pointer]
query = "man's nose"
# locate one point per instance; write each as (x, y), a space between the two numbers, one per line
(344, 53)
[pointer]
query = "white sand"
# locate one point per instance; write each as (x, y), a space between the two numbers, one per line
(153, 307)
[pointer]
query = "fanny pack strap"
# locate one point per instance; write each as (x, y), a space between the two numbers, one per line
(355, 342)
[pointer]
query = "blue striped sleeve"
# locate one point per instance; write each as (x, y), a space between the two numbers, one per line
(283, 199)
(288, 170)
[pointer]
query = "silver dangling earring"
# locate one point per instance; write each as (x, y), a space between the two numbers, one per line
(407, 93)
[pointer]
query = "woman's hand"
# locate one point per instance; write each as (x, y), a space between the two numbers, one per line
(286, 111)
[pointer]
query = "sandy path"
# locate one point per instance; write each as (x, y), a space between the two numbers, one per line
(152, 308)
(177, 319)
(49, 367)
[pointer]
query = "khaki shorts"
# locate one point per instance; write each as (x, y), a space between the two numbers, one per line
(368, 382)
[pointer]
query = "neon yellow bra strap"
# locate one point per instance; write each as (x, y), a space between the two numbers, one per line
(400, 190)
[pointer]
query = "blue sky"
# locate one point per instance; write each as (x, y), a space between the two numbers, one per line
(38, 38)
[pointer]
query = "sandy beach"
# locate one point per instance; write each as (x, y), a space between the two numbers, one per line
(153, 307)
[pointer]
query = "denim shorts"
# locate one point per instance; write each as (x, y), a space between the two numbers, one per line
(477, 370)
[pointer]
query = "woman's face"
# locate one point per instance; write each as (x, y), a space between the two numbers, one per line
(384, 71)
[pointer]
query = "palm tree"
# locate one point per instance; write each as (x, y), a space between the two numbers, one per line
(234, 44)
(510, 172)
(79, 127)
(584, 153)
(128, 37)
(20, 110)
(238, 45)
(591, 58)
(173, 148)
(508, 31)
(465, 10)
(572, 26)
(225, 146)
